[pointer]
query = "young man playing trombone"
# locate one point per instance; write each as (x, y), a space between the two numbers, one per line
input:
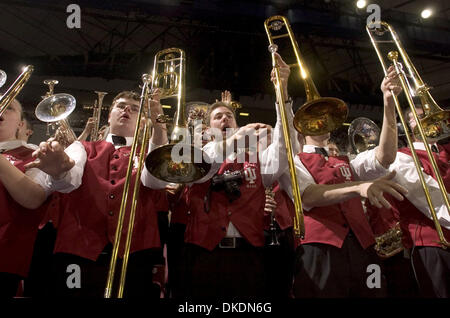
(91, 201)
(333, 258)
(430, 262)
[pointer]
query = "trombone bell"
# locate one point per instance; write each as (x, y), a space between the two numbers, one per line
(320, 116)
(161, 165)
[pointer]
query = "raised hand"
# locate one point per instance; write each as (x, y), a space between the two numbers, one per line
(51, 158)
(374, 190)
(391, 83)
(284, 71)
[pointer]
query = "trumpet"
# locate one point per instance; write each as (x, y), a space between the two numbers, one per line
(15, 88)
(97, 113)
(435, 124)
(54, 110)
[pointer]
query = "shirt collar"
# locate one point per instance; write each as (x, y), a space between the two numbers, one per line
(16, 143)
(420, 146)
(128, 139)
(312, 148)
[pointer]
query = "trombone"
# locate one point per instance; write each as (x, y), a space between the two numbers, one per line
(169, 76)
(143, 108)
(15, 88)
(433, 126)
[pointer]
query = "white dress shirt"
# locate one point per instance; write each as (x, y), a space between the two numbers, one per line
(407, 176)
(33, 173)
(365, 166)
(72, 180)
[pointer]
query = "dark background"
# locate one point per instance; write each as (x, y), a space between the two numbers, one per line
(226, 48)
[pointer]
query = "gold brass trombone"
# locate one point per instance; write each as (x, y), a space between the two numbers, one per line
(275, 23)
(431, 127)
(143, 108)
(15, 88)
(169, 76)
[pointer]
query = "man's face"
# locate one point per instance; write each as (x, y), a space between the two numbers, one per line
(222, 118)
(10, 121)
(123, 115)
(412, 123)
(333, 150)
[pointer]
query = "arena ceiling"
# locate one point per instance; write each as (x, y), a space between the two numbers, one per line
(225, 44)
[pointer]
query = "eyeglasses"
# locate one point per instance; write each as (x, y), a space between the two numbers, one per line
(133, 108)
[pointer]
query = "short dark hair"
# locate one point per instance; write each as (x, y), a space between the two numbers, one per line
(126, 94)
(214, 106)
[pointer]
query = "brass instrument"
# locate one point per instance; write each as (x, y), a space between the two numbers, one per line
(169, 77)
(272, 24)
(15, 88)
(97, 113)
(144, 102)
(363, 134)
(318, 115)
(54, 110)
(3, 78)
(435, 121)
(389, 243)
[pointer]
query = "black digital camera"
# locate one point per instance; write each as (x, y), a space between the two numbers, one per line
(229, 181)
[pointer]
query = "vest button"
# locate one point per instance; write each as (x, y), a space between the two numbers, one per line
(116, 156)
(114, 168)
(113, 182)
(229, 213)
(189, 212)
(111, 196)
(111, 213)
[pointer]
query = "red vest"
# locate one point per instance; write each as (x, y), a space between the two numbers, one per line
(207, 229)
(330, 224)
(18, 225)
(415, 225)
(90, 213)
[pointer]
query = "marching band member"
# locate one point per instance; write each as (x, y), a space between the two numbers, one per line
(332, 259)
(21, 197)
(91, 201)
(224, 233)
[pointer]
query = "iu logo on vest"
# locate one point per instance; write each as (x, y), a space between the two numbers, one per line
(346, 173)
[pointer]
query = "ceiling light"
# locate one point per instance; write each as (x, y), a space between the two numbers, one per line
(426, 13)
(361, 4)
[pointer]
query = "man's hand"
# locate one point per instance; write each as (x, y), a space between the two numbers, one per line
(251, 132)
(155, 105)
(391, 83)
(284, 71)
(51, 158)
(374, 190)
(271, 204)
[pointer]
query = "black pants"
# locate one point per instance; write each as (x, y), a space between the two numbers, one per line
(326, 271)
(9, 284)
(279, 265)
(175, 249)
(432, 266)
(400, 277)
(139, 278)
(224, 272)
(38, 282)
